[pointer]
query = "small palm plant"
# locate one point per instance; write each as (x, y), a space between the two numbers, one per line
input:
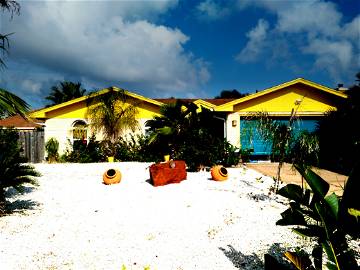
(169, 129)
(112, 114)
(278, 134)
(13, 172)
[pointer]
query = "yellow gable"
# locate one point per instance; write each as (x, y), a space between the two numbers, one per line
(77, 108)
(307, 100)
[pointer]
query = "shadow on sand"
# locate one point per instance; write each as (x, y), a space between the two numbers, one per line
(19, 205)
(252, 261)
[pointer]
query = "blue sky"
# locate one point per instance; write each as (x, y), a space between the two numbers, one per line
(179, 48)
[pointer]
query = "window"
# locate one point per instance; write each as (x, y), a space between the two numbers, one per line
(79, 133)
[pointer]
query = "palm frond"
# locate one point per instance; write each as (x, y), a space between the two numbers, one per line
(11, 104)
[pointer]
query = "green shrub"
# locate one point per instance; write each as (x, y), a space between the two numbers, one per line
(13, 171)
(245, 154)
(52, 148)
(136, 148)
(85, 152)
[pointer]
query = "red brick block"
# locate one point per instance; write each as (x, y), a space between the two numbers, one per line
(166, 173)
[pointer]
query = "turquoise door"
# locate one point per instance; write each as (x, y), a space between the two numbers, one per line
(250, 138)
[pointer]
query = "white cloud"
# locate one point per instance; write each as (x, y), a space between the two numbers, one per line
(32, 86)
(256, 43)
(115, 42)
(315, 27)
(331, 55)
(210, 10)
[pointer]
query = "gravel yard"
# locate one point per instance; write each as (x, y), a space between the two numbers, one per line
(73, 221)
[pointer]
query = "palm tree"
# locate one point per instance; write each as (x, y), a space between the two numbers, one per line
(277, 134)
(13, 7)
(11, 104)
(112, 114)
(169, 128)
(64, 92)
(13, 171)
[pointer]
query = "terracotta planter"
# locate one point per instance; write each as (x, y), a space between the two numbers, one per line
(219, 173)
(168, 173)
(111, 176)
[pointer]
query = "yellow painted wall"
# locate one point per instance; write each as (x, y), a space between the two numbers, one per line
(79, 110)
(284, 101)
(60, 121)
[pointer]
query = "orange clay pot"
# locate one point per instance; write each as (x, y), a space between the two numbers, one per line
(219, 173)
(111, 176)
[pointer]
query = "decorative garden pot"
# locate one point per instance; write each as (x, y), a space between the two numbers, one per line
(111, 176)
(165, 173)
(166, 158)
(219, 173)
(110, 159)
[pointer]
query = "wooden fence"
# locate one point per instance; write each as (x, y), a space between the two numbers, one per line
(32, 143)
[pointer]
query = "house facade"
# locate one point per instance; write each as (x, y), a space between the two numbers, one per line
(68, 122)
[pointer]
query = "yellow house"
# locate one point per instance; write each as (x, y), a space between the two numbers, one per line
(312, 100)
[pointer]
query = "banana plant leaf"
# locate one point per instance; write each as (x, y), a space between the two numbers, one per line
(291, 217)
(295, 193)
(302, 262)
(332, 263)
(318, 185)
(309, 231)
(333, 203)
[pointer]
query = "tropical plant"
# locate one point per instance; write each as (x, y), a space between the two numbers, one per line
(64, 92)
(12, 7)
(10, 104)
(169, 129)
(341, 126)
(278, 134)
(187, 132)
(136, 148)
(84, 152)
(112, 114)
(305, 151)
(325, 218)
(13, 171)
(52, 148)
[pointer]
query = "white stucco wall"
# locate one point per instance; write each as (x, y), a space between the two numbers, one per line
(61, 130)
(233, 132)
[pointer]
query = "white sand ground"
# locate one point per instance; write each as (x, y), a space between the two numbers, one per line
(79, 223)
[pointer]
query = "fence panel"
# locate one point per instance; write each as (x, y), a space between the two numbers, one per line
(32, 143)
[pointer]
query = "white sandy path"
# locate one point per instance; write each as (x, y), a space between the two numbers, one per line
(82, 224)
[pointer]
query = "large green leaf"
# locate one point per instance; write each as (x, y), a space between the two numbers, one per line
(291, 217)
(318, 185)
(333, 203)
(302, 262)
(309, 231)
(292, 192)
(354, 212)
(350, 198)
(332, 263)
